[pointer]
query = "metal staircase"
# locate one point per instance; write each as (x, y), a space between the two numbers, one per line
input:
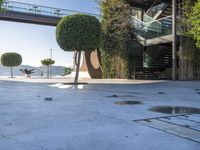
(163, 61)
(154, 29)
(157, 66)
(167, 12)
(156, 25)
(154, 32)
(155, 11)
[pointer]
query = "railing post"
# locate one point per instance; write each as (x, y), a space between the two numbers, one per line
(174, 66)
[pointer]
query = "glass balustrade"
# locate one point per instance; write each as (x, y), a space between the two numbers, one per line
(155, 9)
(153, 29)
(37, 9)
(147, 18)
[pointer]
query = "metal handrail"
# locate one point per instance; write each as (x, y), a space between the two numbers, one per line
(158, 20)
(43, 10)
(160, 6)
(152, 29)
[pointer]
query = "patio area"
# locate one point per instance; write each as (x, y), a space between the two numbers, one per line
(44, 114)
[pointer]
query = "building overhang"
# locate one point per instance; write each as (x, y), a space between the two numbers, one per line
(144, 3)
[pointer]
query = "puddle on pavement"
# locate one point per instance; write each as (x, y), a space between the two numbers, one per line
(119, 96)
(128, 102)
(161, 93)
(48, 99)
(175, 109)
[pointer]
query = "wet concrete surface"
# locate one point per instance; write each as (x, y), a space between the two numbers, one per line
(176, 110)
(82, 117)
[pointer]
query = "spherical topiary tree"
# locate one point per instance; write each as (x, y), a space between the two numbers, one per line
(11, 60)
(78, 33)
(47, 62)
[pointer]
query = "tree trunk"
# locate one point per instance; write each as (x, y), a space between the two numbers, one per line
(50, 71)
(47, 71)
(77, 67)
(11, 72)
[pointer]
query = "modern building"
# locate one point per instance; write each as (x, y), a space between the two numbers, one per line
(154, 43)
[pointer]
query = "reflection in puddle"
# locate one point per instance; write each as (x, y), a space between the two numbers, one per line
(175, 109)
(128, 102)
(68, 86)
(79, 86)
(64, 86)
(55, 85)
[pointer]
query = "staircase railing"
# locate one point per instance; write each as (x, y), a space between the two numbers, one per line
(147, 18)
(155, 11)
(152, 29)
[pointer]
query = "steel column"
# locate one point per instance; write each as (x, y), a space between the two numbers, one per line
(174, 50)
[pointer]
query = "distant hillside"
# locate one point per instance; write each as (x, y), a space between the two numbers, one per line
(56, 70)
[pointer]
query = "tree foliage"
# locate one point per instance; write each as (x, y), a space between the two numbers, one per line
(11, 59)
(1, 1)
(78, 33)
(47, 62)
(194, 19)
(115, 36)
(67, 70)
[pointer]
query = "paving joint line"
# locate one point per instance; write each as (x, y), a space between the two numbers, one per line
(165, 117)
(189, 119)
(177, 124)
(145, 119)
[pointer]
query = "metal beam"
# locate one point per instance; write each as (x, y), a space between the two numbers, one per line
(174, 50)
(29, 18)
(35, 14)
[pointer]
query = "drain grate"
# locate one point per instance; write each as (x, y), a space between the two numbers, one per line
(181, 126)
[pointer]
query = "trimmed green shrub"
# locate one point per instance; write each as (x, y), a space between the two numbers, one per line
(11, 60)
(47, 62)
(78, 32)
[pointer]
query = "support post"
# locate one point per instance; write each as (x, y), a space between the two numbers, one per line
(50, 65)
(174, 53)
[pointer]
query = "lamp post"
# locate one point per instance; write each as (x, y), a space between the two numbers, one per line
(51, 65)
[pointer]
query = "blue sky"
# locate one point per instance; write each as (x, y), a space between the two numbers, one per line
(34, 41)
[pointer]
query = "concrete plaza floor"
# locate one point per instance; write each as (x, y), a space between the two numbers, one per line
(87, 118)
